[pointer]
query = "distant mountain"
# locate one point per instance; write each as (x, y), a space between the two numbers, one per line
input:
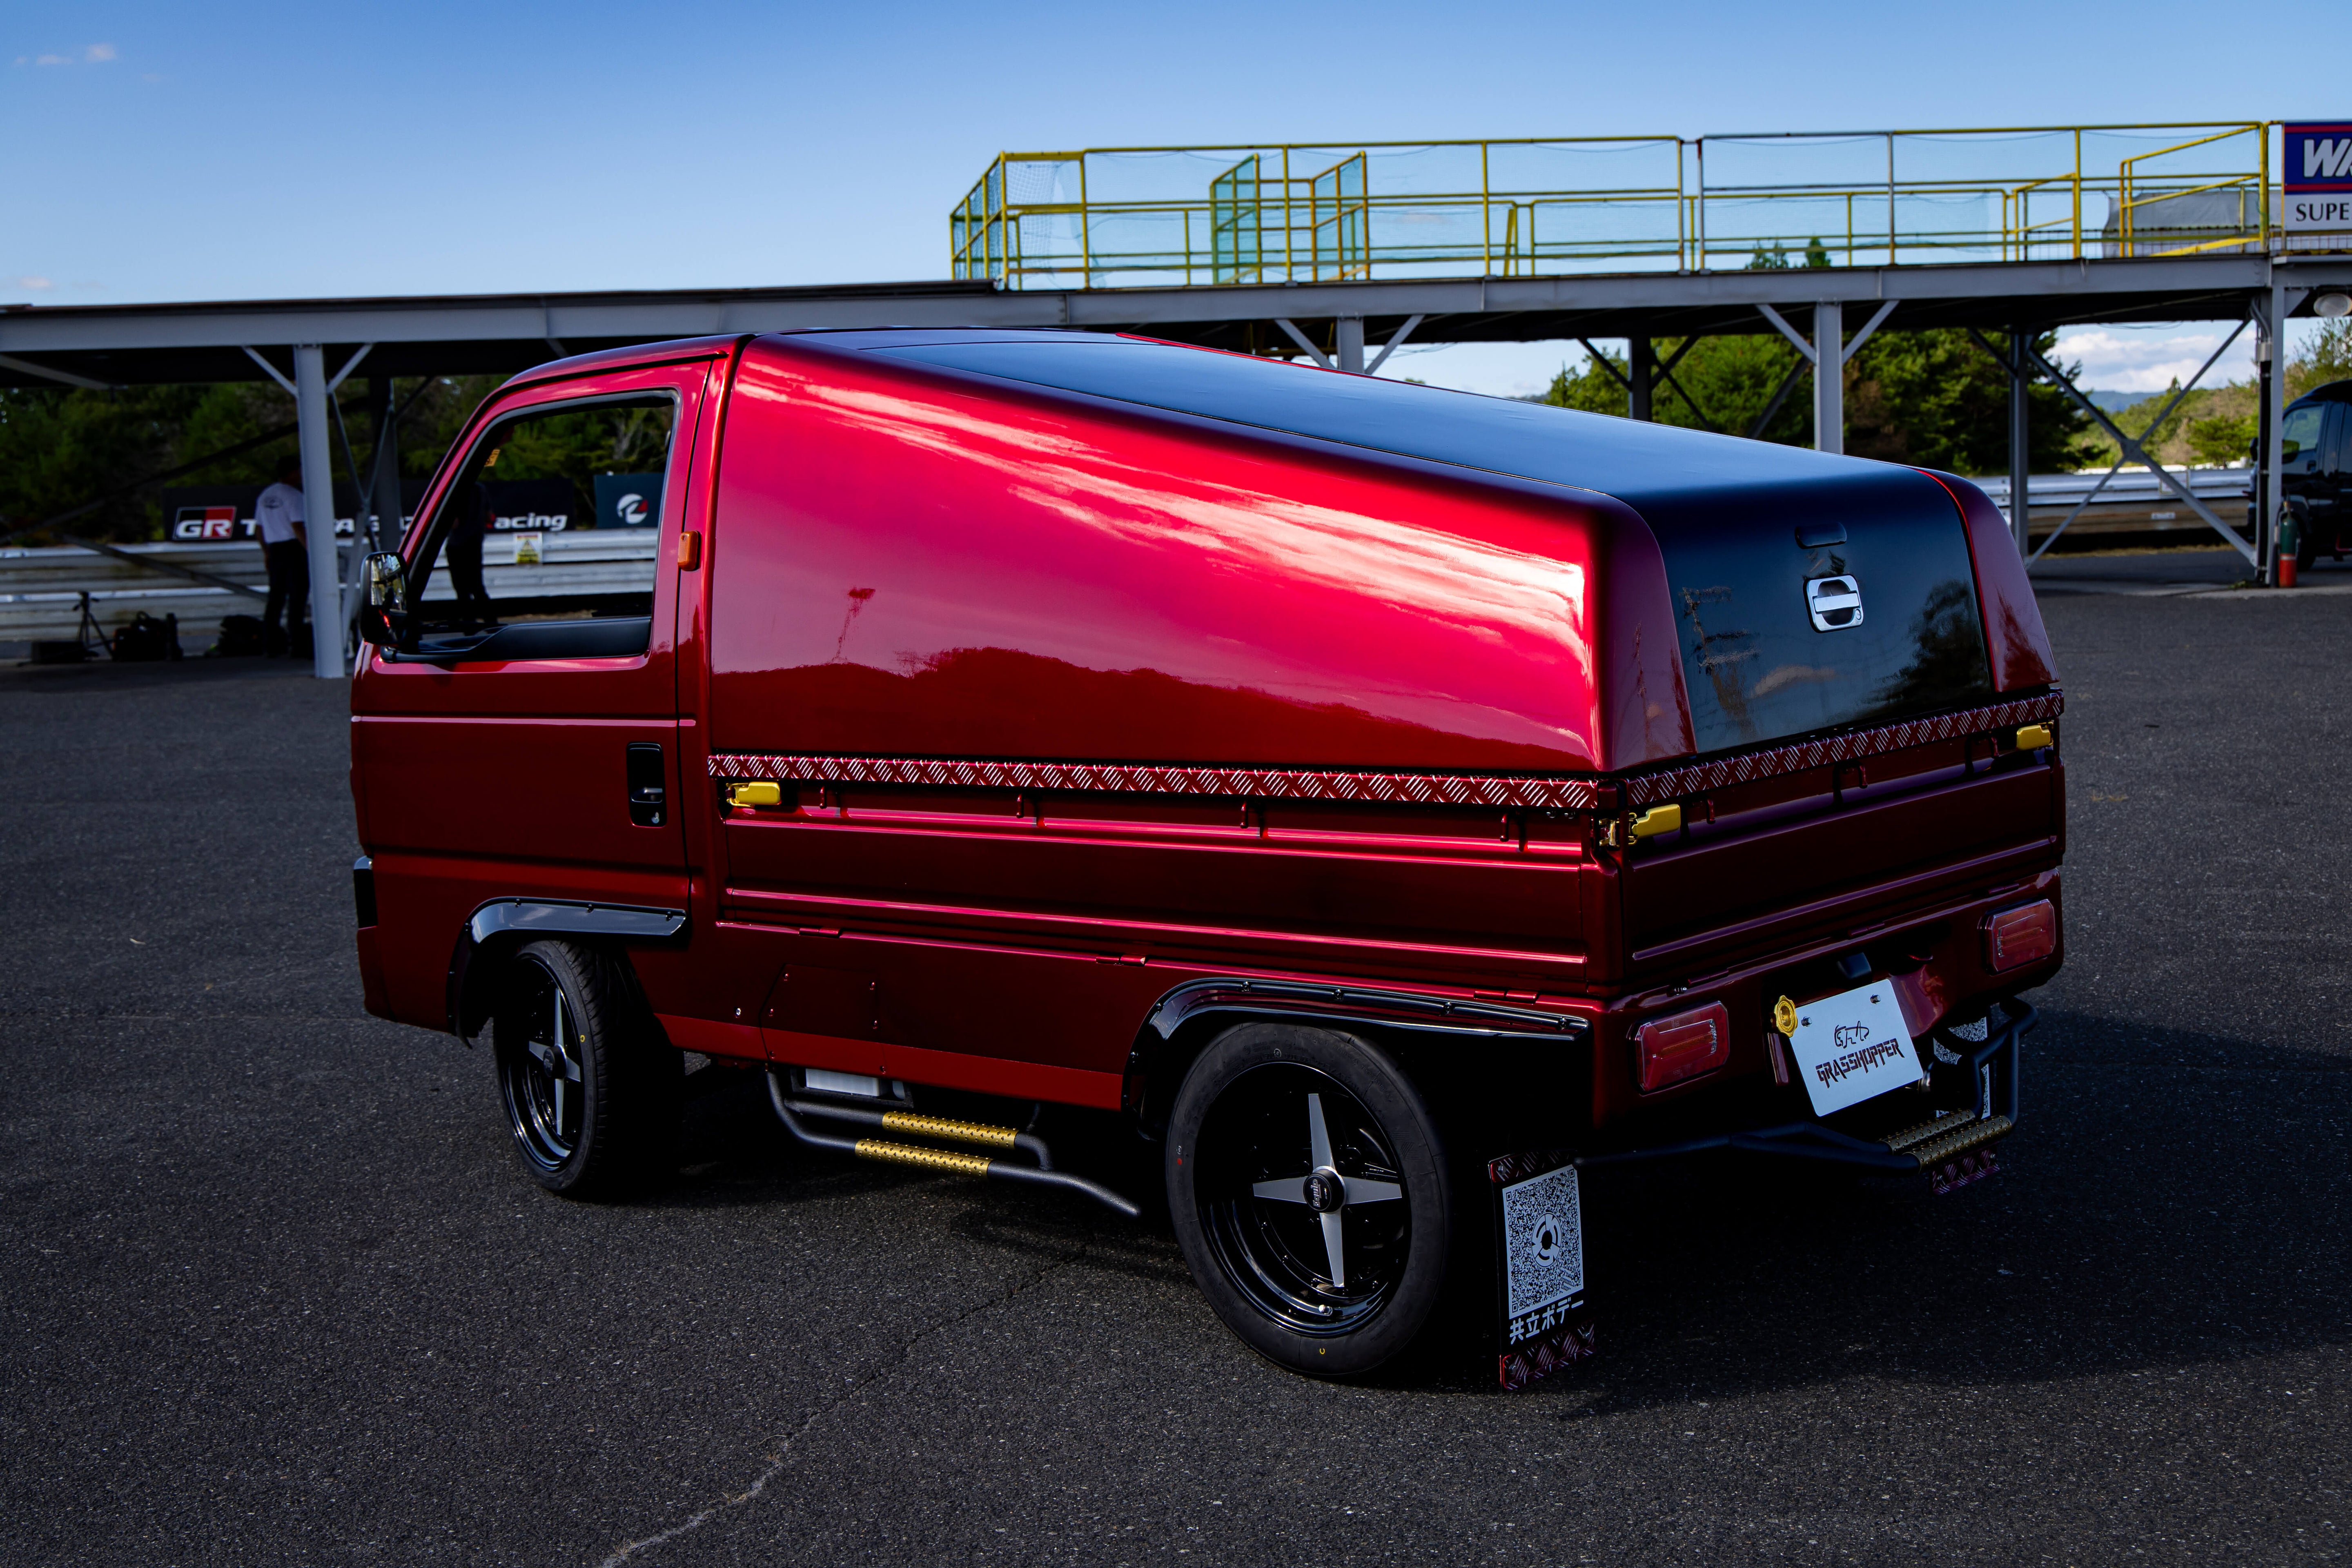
(2116, 402)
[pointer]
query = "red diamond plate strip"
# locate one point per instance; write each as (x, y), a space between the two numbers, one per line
(1388, 788)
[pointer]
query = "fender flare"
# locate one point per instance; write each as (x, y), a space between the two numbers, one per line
(1186, 1012)
(499, 926)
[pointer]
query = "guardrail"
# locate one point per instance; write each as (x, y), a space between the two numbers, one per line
(2131, 485)
(1162, 216)
(41, 589)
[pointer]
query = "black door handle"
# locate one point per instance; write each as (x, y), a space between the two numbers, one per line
(649, 794)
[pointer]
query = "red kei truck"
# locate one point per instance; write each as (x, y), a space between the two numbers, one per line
(1391, 801)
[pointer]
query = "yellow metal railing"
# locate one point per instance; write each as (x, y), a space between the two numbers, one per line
(1158, 216)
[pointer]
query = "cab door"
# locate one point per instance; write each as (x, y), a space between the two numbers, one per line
(522, 741)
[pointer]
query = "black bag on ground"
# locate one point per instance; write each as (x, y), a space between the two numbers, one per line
(146, 640)
(240, 637)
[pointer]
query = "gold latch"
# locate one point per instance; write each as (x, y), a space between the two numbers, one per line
(2033, 737)
(755, 794)
(1657, 820)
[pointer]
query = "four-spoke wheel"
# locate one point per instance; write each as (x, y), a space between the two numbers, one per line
(1308, 1186)
(591, 1089)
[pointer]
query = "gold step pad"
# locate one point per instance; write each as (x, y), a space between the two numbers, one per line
(918, 1126)
(1960, 1141)
(922, 1159)
(1926, 1130)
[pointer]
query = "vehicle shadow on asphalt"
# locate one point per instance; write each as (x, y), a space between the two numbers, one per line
(2168, 1200)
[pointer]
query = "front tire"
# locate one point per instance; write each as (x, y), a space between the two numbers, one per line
(1309, 1188)
(591, 1089)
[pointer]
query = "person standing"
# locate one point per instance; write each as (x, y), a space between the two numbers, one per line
(286, 554)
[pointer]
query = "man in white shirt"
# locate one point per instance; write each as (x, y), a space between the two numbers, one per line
(278, 515)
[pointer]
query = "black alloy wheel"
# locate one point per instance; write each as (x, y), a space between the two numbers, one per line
(591, 1091)
(1307, 1186)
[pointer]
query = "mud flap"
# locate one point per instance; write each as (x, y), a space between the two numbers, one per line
(1541, 1304)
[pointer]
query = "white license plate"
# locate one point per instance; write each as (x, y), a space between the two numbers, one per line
(1851, 1046)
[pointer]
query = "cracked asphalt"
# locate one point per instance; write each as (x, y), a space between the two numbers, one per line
(274, 1291)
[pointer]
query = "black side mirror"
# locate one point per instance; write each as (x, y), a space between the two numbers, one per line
(383, 619)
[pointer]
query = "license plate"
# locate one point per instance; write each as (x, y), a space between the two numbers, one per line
(1851, 1046)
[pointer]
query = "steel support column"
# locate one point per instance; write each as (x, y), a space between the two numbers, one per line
(2271, 308)
(318, 510)
(2020, 470)
(1829, 376)
(1641, 374)
(1351, 344)
(384, 484)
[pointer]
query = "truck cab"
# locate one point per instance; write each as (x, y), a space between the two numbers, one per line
(2316, 470)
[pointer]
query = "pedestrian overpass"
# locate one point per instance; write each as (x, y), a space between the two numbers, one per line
(1342, 252)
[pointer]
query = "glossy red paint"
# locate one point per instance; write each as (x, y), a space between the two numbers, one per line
(2015, 640)
(909, 565)
(1073, 703)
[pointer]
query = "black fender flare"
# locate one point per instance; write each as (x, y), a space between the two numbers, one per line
(499, 926)
(1186, 1015)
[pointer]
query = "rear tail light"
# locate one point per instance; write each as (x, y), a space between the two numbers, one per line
(2021, 935)
(1683, 1045)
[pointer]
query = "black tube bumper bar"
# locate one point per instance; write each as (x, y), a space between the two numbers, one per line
(1992, 1072)
(954, 1162)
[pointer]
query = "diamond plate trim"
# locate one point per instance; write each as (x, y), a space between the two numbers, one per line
(1554, 793)
(1697, 778)
(1128, 778)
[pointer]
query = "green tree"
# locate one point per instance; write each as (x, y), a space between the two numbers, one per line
(61, 446)
(1932, 398)
(2222, 439)
(1936, 399)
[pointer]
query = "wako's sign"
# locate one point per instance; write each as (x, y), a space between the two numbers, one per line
(2319, 178)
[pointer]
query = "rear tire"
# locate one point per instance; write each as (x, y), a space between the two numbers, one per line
(1309, 1192)
(592, 1092)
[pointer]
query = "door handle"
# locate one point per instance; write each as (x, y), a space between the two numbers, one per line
(648, 790)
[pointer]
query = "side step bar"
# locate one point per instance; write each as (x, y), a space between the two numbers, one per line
(954, 1162)
(918, 1126)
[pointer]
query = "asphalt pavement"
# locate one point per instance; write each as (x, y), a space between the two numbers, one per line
(275, 1292)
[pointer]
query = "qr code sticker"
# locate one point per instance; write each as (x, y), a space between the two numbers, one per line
(1543, 1241)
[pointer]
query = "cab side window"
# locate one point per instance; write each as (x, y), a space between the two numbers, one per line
(2299, 436)
(545, 546)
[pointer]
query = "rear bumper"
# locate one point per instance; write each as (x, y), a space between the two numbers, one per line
(1972, 1103)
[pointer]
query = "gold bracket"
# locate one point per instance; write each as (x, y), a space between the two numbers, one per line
(1657, 820)
(755, 794)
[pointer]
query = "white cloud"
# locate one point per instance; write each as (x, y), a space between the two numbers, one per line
(34, 282)
(2149, 359)
(95, 54)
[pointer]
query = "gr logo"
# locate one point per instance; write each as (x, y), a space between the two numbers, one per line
(632, 507)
